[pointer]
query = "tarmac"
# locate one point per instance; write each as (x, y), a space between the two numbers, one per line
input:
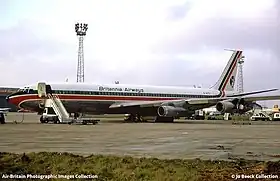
(184, 139)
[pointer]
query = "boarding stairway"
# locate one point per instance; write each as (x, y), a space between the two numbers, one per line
(60, 114)
(63, 116)
(59, 109)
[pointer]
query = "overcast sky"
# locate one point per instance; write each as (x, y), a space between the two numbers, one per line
(161, 42)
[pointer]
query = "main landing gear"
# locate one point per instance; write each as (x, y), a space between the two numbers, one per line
(134, 118)
(158, 119)
(53, 119)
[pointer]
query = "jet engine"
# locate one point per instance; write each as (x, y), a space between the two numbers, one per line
(225, 107)
(169, 111)
(235, 106)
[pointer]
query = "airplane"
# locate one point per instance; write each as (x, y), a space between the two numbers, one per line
(163, 102)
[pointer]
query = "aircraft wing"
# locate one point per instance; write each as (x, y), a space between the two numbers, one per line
(143, 103)
(246, 99)
(261, 98)
(197, 101)
(191, 101)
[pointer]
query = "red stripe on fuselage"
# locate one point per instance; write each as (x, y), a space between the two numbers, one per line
(223, 93)
(18, 99)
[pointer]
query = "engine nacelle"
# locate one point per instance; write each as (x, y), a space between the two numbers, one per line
(235, 106)
(169, 111)
(225, 107)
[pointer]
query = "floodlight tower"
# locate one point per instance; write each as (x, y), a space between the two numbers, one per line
(81, 30)
(240, 88)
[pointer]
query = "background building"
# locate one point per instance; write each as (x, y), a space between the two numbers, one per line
(4, 91)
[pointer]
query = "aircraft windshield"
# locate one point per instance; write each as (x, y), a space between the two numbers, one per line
(20, 90)
(25, 90)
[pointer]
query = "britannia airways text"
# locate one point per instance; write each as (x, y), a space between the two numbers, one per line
(120, 89)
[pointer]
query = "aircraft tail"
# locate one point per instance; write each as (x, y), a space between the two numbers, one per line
(227, 79)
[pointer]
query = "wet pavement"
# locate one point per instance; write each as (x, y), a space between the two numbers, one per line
(188, 140)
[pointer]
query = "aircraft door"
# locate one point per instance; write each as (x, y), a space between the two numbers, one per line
(41, 87)
(48, 89)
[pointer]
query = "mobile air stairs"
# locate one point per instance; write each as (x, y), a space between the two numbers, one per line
(54, 110)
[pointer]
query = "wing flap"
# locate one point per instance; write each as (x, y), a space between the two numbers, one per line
(138, 103)
(143, 103)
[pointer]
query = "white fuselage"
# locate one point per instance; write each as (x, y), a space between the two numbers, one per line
(95, 98)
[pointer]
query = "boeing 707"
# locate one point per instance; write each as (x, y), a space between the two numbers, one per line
(162, 102)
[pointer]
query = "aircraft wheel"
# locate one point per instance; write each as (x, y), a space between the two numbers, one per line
(138, 118)
(131, 118)
(56, 121)
(42, 120)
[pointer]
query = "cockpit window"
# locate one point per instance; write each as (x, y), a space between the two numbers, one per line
(25, 90)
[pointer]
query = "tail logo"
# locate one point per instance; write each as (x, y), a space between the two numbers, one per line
(232, 80)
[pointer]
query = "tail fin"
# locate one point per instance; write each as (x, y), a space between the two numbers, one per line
(227, 79)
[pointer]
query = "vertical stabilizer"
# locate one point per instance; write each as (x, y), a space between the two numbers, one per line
(227, 79)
